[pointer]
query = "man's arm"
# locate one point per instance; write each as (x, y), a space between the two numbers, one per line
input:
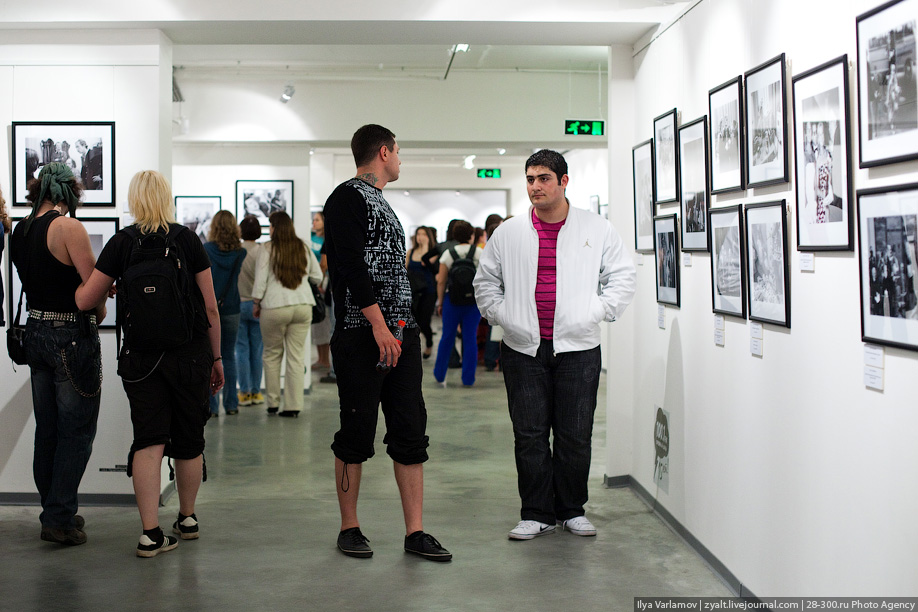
(616, 276)
(489, 282)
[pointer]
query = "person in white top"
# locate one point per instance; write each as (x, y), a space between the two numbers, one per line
(283, 302)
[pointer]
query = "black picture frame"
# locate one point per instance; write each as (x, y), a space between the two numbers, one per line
(766, 124)
(196, 212)
(693, 180)
(887, 220)
(100, 230)
(87, 147)
(666, 157)
(262, 197)
(767, 265)
(644, 183)
(666, 258)
(887, 102)
(727, 138)
(823, 168)
(728, 260)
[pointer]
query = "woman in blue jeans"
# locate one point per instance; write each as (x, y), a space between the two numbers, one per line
(53, 256)
(249, 345)
(226, 257)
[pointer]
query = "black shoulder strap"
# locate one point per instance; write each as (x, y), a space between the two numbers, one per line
(471, 252)
(452, 251)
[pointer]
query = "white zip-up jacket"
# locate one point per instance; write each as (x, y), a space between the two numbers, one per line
(595, 281)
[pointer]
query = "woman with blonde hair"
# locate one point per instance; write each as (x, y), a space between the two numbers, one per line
(283, 302)
(167, 387)
(224, 248)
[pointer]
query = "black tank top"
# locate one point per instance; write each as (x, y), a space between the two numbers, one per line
(49, 284)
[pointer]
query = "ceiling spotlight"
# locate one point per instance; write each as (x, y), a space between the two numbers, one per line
(469, 162)
(407, 193)
(501, 151)
(462, 48)
(289, 90)
(458, 193)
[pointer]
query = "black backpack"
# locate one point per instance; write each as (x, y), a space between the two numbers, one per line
(460, 277)
(155, 307)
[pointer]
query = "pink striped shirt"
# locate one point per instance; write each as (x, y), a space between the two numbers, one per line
(546, 277)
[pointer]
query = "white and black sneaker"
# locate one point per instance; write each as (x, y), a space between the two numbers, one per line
(186, 526)
(526, 530)
(579, 525)
(152, 546)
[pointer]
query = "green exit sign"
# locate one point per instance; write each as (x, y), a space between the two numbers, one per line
(489, 173)
(583, 127)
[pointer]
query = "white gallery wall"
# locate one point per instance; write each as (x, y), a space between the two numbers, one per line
(790, 471)
(122, 77)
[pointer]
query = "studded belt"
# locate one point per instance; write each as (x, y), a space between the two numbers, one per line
(67, 317)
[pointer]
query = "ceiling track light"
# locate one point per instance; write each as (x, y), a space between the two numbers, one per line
(289, 90)
(469, 162)
(458, 48)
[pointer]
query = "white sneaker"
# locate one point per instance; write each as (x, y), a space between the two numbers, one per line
(579, 525)
(526, 530)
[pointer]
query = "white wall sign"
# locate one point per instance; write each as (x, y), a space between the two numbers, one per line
(873, 377)
(661, 316)
(807, 262)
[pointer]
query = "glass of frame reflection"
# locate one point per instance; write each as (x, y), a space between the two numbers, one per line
(693, 173)
(666, 257)
(728, 261)
(767, 262)
(766, 124)
(725, 108)
(643, 177)
(666, 157)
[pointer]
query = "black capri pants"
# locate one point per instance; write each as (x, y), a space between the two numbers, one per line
(361, 391)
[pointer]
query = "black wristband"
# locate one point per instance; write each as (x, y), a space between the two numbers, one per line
(216, 359)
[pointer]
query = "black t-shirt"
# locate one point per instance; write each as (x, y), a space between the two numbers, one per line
(116, 256)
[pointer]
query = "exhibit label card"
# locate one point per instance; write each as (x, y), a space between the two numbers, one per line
(719, 337)
(661, 316)
(755, 331)
(807, 262)
(873, 378)
(640, 258)
(687, 260)
(719, 322)
(873, 355)
(755, 346)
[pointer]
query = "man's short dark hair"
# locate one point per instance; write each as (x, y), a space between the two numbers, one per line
(552, 160)
(368, 140)
(462, 231)
(250, 228)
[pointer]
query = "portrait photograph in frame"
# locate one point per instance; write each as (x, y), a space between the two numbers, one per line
(666, 257)
(887, 221)
(822, 166)
(666, 158)
(196, 212)
(693, 181)
(88, 149)
(886, 84)
(728, 261)
(727, 142)
(100, 230)
(766, 124)
(643, 177)
(767, 262)
(261, 198)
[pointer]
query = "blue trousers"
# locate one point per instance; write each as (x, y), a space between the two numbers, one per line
(229, 326)
(453, 316)
(249, 350)
(552, 395)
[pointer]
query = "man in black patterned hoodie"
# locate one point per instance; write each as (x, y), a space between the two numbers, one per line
(365, 244)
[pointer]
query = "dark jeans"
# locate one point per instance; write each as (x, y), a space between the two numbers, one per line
(229, 327)
(66, 384)
(552, 394)
(422, 307)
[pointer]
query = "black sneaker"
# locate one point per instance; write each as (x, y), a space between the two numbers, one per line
(354, 544)
(67, 537)
(426, 545)
(148, 547)
(79, 522)
(186, 526)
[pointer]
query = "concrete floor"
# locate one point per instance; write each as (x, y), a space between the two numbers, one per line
(269, 519)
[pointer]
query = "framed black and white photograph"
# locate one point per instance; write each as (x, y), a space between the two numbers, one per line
(195, 213)
(666, 250)
(100, 231)
(728, 261)
(822, 141)
(887, 221)
(693, 179)
(766, 124)
(886, 84)
(725, 109)
(642, 173)
(767, 262)
(261, 198)
(666, 158)
(87, 148)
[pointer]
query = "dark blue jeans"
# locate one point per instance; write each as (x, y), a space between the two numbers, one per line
(66, 384)
(552, 394)
(249, 349)
(229, 327)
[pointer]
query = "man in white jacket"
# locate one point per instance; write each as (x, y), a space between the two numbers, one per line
(548, 278)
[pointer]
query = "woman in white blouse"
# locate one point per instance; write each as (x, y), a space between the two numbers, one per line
(283, 302)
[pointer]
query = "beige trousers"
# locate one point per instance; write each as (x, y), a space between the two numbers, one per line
(284, 330)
